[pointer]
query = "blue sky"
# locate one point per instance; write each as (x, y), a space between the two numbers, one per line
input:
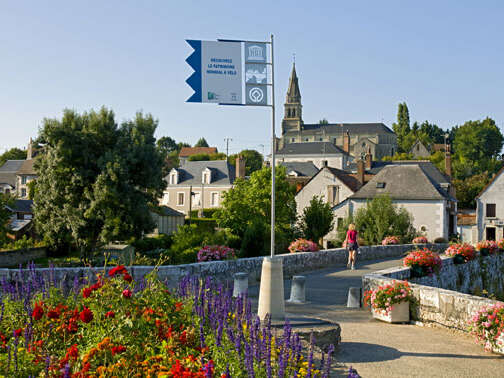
(355, 61)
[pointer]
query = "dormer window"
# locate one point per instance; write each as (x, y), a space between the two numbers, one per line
(206, 176)
(173, 177)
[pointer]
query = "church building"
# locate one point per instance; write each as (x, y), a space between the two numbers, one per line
(356, 139)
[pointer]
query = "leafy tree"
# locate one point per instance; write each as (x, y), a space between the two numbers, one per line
(249, 202)
(380, 218)
(96, 180)
(166, 145)
(12, 154)
(317, 219)
(433, 132)
(467, 189)
(207, 157)
(201, 143)
(253, 160)
(5, 214)
(323, 121)
(402, 127)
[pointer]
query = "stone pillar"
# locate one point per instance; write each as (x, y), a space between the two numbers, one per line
(298, 293)
(354, 297)
(271, 291)
(240, 284)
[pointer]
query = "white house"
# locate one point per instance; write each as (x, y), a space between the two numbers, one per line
(490, 209)
(319, 153)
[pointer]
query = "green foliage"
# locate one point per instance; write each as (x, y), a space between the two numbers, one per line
(147, 244)
(468, 189)
(323, 121)
(253, 160)
(254, 241)
(165, 145)
(23, 243)
(380, 218)
(5, 215)
(402, 127)
(207, 157)
(440, 240)
(317, 219)
(96, 180)
(209, 213)
(204, 224)
(342, 231)
(201, 143)
(12, 154)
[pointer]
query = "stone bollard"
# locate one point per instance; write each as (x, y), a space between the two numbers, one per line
(298, 289)
(354, 297)
(240, 284)
(271, 290)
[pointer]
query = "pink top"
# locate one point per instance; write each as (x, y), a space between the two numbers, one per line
(351, 236)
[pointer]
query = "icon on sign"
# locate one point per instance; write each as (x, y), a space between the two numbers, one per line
(256, 95)
(255, 53)
(213, 96)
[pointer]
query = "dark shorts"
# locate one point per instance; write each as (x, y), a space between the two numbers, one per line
(353, 246)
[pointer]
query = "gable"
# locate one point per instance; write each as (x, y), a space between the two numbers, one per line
(496, 185)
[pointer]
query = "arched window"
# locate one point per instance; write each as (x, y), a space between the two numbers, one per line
(293, 112)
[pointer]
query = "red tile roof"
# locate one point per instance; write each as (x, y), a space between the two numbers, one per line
(189, 151)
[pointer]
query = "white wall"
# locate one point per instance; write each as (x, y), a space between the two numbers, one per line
(493, 194)
(332, 161)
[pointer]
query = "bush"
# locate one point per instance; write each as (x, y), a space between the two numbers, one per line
(420, 240)
(187, 241)
(317, 219)
(422, 262)
(208, 213)
(390, 240)
(303, 245)
(148, 244)
(253, 242)
(440, 240)
(486, 325)
(204, 224)
(215, 253)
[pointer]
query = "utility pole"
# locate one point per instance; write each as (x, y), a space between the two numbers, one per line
(227, 140)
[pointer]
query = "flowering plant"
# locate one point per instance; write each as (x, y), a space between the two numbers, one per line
(216, 252)
(500, 244)
(487, 247)
(420, 240)
(465, 251)
(390, 240)
(303, 245)
(383, 298)
(487, 325)
(423, 261)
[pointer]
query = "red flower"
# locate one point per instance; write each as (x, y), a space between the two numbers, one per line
(86, 292)
(72, 352)
(53, 314)
(38, 312)
(18, 332)
(183, 337)
(110, 314)
(127, 293)
(86, 315)
(120, 269)
(178, 306)
(118, 349)
(96, 286)
(127, 277)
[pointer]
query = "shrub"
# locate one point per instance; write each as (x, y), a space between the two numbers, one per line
(317, 219)
(204, 224)
(440, 240)
(422, 261)
(420, 240)
(465, 251)
(487, 247)
(390, 240)
(208, 213)
(500, 243)
(383, 298)
(303, 245)
(487, 324)
(148, 244)
(253, 242)
(216, 252)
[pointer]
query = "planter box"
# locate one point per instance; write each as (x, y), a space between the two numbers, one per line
(398, 314)
(499, 349)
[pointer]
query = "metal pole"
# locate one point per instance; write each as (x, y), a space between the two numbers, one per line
(273, 147)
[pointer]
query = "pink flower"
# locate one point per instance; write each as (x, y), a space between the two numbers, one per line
(127, 293)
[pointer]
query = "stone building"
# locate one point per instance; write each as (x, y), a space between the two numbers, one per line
(490, 209)
(353, 138)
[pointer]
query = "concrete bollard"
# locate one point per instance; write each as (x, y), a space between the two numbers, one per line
(298, 289)
(354, 297)
(240, 285)
(271, 290)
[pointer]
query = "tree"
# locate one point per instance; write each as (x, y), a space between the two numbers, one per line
(12, 154)
(96, 181)
(201, 143)
(249, 202)
(253, 160)
(5, 214)
(323, 121)
(402, 127)
(467, 189)
(207, 157)
(165, 145)
(317, 219)
(380, 218)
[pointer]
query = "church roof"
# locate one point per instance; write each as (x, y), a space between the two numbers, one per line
(352, 128)
(293, 90)
(310, 148)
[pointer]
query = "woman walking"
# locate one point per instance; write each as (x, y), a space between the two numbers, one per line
(351, 244)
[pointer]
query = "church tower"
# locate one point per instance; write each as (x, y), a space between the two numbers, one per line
(292, 120)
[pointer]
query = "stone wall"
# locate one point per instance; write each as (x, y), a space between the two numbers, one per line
(21, 256)
(446, 298)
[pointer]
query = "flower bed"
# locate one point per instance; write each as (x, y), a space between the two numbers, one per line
(303, 245)
(420, 240)
(487, 247)
(116, 327)
(461, 253)
(500, 244)
(383, 298)
(422, 262)
(488, 325)
(215, 253)
(389, 240)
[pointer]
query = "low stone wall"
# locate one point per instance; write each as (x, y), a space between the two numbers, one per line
(21, 256)
(294, 263)
(446, 298)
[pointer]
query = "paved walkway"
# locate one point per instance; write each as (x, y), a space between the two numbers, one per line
(378, 349)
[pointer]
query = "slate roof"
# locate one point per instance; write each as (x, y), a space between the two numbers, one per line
(27, 168)
(9, 170)
(170, 212)
(310, 148)
(189, 151)
(404, 182)
(22, 206)
(223, 173)
(353, 128)
(350, 181)
(306, 169)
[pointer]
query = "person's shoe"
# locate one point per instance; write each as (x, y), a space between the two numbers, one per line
(353, 267)
(348, 266)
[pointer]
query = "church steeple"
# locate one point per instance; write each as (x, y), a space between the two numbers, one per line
(292, 108)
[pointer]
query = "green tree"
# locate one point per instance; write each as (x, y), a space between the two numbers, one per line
(207, 157)
(467, 189)
(380, 218)
(165, 145)
(317, 219)
(96, 180)
(5, 214)
(253, 160)
(249, 202)
(201, 143)
(402, 127)
(323, 121)
(12, 154)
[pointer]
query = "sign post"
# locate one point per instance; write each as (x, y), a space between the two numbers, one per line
(235, 72)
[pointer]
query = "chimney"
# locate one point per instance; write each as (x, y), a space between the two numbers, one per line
(240, 167)
(448, 166)
(369, 159)
(360, 171)
(346, 142)
(29, 151)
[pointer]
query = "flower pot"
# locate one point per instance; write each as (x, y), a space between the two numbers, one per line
(417, 271)
(484, 251)
(500, 345)
(458, 259)
(398, 314)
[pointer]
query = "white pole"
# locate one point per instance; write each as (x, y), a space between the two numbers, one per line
(273, 147)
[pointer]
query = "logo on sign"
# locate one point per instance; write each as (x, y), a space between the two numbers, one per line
(255, 53)
(256, 95)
